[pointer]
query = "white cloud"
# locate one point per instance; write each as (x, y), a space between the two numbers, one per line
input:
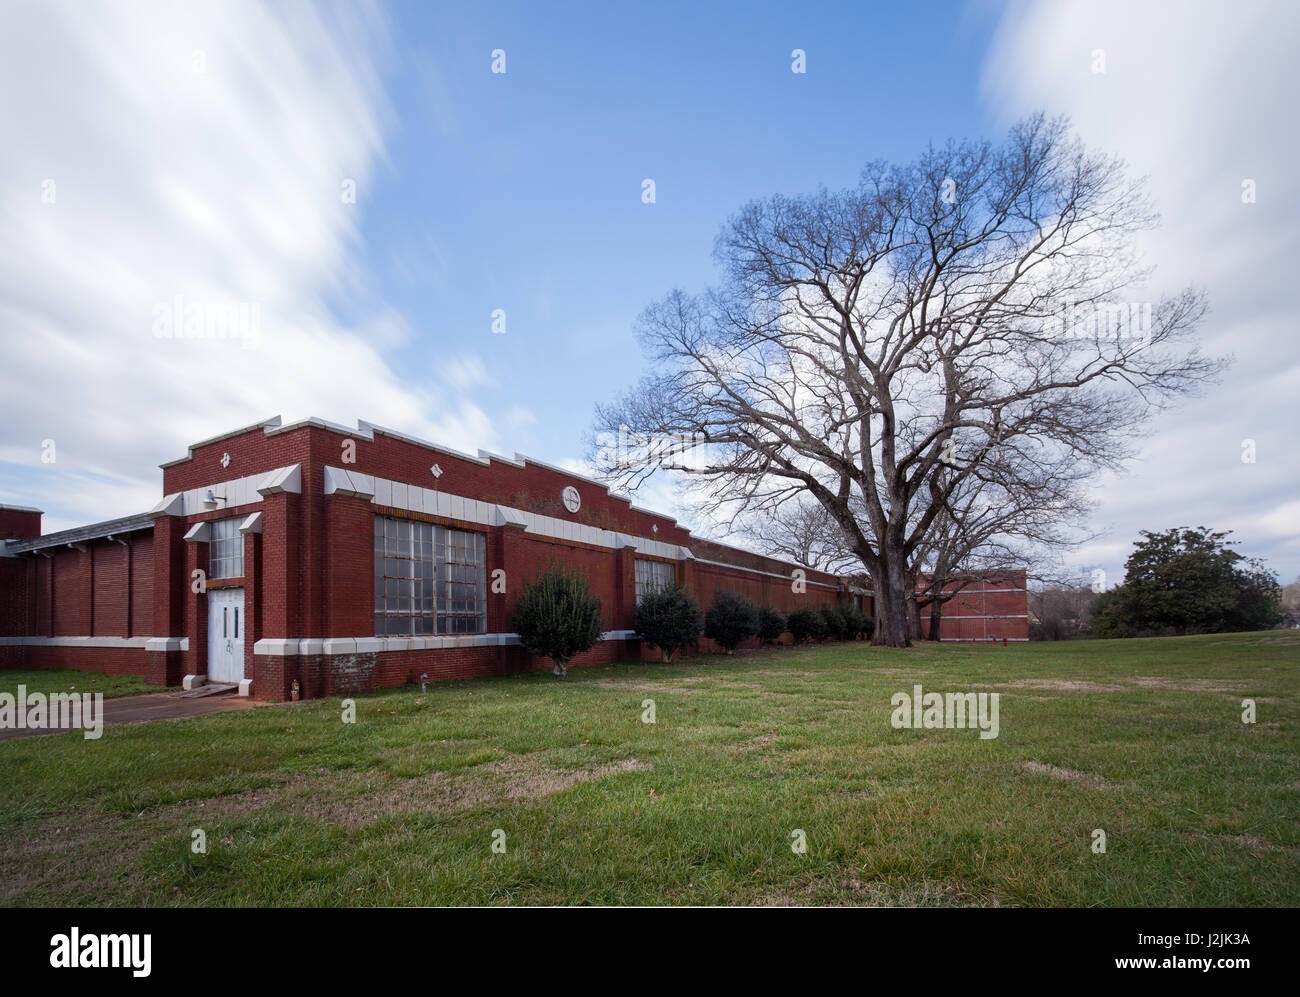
(198, 154)
(519, 417)
(1284, 521)
(1192, 97)
(464, 372)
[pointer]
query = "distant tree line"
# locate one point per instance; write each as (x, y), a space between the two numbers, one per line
(1180, 581)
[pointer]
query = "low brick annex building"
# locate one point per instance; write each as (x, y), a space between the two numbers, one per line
(353, 559)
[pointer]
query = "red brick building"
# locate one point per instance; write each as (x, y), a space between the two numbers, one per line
(353, 559)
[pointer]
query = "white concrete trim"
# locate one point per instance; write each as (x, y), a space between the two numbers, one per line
(169, 505)
(102, 642)
(253, 524)
(283, 479)
(265, 424)
(987, 616)
(280, 648)
(491, 457)
(199, 533)
(230, 494)
(360, 432)
(340, 481)
(371, 428)
(483, 459)
(768, 574)
(430, 501)
(20, 508)
(167, 644)
(332, 646)
(754, 553)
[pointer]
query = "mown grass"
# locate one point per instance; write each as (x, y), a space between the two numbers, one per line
(49, 680)
(1142, 739)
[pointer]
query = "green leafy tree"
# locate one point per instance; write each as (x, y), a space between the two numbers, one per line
(669, 619)
(1112, 614)
(771, 624)
(1259, 599)
(806, 624)
(1187, 580)
(731, 620)
(557, 617)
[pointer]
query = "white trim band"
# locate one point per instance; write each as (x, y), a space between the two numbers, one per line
(429, 501)
(247, 490)
(383, 645)
(182, 643)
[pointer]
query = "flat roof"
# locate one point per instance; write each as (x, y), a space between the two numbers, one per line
(95, 531)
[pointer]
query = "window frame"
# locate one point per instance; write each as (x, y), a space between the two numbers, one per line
(430, 580)
(225, 552)
(652, 583)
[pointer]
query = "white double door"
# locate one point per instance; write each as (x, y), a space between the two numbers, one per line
(225, 635)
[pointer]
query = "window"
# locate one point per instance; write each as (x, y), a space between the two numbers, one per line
(652, 576)
(226, 550)
(428, 579)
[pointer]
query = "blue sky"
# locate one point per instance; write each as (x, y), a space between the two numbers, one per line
(199, 149)
(522, 191)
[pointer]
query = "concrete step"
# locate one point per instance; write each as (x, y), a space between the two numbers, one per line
(209, 689)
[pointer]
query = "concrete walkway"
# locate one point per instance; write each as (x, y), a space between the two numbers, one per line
(154, 706)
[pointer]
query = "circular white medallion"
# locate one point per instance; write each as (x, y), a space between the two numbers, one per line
(572, 500)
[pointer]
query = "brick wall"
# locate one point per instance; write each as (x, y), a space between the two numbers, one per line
(990, 609)
(103, 590)
(310, 575)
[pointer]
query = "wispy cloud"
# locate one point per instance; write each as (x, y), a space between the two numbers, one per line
(165, 165)
(1194, 98)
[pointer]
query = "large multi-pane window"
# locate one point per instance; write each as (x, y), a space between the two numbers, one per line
(652, 576)
(428, 579)
(226, 549)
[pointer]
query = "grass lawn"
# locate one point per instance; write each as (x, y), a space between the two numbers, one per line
(1142, 738)
(48, 680)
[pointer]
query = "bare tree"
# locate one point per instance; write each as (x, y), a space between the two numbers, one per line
(1291, 598)
(801, 531)
(873, 349)
(1059, 611)
(995, 519)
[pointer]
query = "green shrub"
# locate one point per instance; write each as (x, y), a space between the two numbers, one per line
(669, 619)
(557, 617)
(771, 624)
(835, 625)
(730, 620)
(858, 624)
(806, 624)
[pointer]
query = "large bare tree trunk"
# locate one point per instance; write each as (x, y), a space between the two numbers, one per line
(890, 583)
(936, 618)
(914, 631)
